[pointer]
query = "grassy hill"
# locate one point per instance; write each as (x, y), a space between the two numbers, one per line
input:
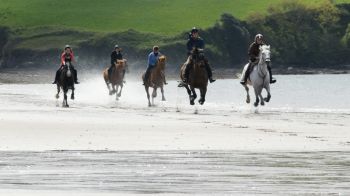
(164, 17)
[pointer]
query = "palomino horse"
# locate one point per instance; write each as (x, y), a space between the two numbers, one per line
(66, 82)
(156, 80)
(198, 76)
(259, 77)
(117, 78)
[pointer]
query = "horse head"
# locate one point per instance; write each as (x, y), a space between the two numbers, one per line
(121, 64)
(161, 62)
(265, 53)
(197, 56)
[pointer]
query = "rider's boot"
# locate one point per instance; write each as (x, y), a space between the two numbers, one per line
(272, 80)
(147, 74)
(209, 71)
(56, 77)
(75, 76)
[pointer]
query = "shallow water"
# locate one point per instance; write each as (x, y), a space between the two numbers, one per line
(200, 172)
(292, 93)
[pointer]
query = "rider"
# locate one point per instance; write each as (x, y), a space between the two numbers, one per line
(115, 55)
(195, 41)
(253, 53)
(66, 56)
(152, 61)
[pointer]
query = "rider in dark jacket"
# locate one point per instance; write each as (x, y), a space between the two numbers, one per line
(67, 56)
(253, 53)
(195, 41)
(115, 55)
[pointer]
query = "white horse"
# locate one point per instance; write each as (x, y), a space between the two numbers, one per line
(259, 77)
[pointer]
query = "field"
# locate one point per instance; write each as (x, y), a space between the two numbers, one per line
(156, 16)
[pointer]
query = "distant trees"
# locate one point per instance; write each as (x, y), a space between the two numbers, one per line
(300, 35)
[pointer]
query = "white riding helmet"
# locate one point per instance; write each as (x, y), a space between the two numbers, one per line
(259, 36)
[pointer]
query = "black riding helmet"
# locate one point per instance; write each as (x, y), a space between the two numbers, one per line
(194, 30)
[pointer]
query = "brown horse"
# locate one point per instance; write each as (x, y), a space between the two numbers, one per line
(156, 80)
(117, 78)
(198, 77)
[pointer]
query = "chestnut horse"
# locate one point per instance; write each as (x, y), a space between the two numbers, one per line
(156, 80)
(117, 78)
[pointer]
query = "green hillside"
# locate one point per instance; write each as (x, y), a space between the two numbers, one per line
(167, 17)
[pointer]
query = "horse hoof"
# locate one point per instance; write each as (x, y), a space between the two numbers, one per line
(262, 103)
(72, 98)
(267, 99)
(201, 101)
(256, 104)
(110, 93)
(119, 95)
(247, 101)
(57, 96)
(163, 99)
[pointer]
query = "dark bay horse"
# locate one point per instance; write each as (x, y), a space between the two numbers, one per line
(66, 82)
(198, 76)
(156, 80)
(117, 78)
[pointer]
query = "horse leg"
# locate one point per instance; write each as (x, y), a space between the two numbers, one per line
(247, 90)
(149, 102)
(162, 90)
(256, 103)
(267, 99)
(109, 88)
(113, 89)
(203, 93)
(116, 93)
(65, 102)
(58, 91)
(189, 92)
(193, 96)
(72, 95)
(154, 94)
(261, 97)
(120, 92)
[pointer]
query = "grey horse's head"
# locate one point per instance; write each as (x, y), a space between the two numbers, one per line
(265, 53)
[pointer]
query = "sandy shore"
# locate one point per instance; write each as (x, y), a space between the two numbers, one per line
(166, 129)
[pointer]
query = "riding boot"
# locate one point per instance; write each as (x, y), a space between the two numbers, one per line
(147, 74)
(209, 71)
(246, 74)
(124, 75)
(75, 76)
(56, 76)
(272, 80)
(110, 73)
